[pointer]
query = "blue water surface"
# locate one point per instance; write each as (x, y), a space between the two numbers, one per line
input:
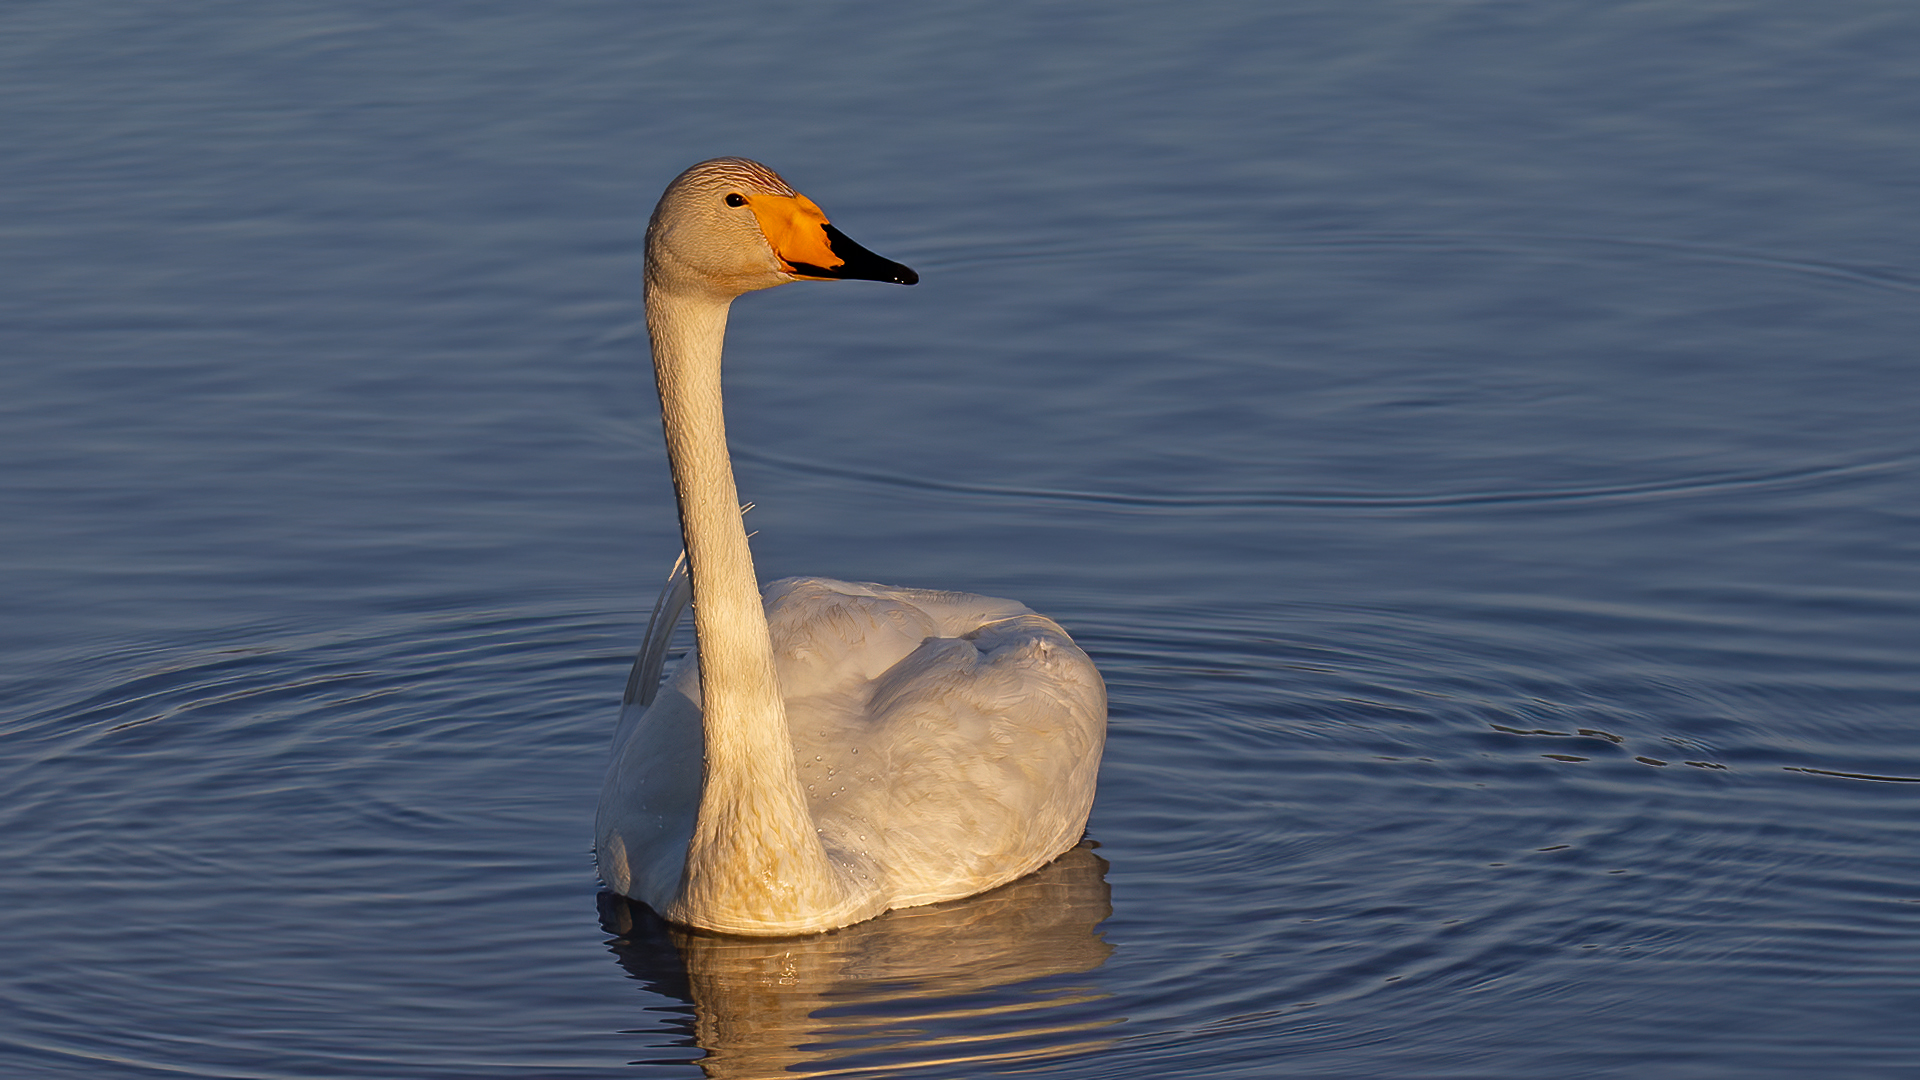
(1475, 440)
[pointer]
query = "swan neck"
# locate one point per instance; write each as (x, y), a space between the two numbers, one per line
(754, 852)
(739, 690)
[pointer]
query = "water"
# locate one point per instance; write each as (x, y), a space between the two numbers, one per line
(1475, 440)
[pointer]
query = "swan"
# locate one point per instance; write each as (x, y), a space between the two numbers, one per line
(830, 750)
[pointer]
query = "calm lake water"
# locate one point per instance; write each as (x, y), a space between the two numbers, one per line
(1477, 441)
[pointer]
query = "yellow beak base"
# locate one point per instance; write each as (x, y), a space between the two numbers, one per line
(808, 246)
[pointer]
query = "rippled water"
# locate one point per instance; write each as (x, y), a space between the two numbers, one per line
(1476, 443)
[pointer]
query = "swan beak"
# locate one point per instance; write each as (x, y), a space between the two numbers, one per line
(808, 246)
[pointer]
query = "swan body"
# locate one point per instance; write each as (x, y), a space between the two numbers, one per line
(831, 750)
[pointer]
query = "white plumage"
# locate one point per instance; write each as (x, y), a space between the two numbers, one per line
(863, 747)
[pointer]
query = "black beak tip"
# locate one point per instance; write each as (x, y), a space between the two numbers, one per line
(858, 263)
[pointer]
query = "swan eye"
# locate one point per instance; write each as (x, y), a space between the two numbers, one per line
(736, 199)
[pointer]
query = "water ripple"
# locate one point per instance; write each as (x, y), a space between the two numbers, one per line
(1209, 501)
(1120, 243)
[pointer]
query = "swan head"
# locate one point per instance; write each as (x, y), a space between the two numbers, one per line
(730, 226)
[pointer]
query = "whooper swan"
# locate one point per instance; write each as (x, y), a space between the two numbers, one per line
(861, 747)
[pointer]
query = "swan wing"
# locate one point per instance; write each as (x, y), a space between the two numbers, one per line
(949, 742)
(651, 794)
(643, 682)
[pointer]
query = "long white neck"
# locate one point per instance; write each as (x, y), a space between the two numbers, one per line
(755, 858)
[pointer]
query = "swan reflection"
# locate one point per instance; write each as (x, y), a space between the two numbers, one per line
(984, 979)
